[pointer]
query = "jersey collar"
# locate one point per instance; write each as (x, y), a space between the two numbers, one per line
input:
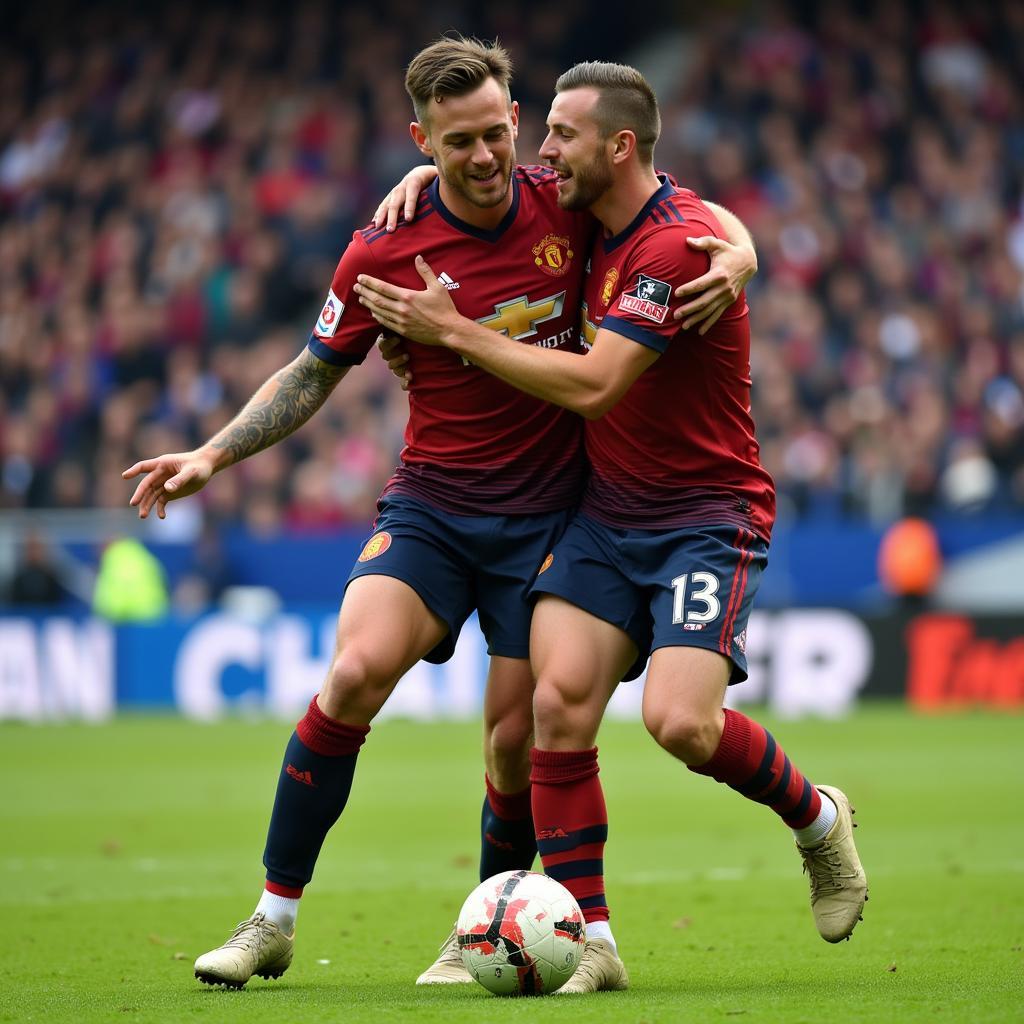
(664, 192)
(468, 229)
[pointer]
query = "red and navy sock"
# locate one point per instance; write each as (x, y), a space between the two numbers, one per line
(750, 761)
(312, 791)
(572, 824)
(507, 840)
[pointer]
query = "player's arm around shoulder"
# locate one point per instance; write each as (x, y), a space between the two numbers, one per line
(733, 256)
(400, 203)
(693, 253)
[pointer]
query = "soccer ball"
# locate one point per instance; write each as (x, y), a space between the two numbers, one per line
(521, 933)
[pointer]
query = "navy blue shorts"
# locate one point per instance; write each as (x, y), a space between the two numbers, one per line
(677, 587)
(458, 563)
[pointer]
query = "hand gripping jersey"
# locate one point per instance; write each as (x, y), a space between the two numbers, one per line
(473, 444)
(679, 448)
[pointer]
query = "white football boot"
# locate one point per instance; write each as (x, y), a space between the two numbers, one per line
(600, 970)
(257, 946)
(448, 968)
(839, 887)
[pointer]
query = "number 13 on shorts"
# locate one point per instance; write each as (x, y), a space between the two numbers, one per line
(695, 589)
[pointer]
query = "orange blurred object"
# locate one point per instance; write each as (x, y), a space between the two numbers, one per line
(909, 560)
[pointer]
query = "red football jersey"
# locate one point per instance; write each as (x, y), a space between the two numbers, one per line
(679, 448)
(473, 444)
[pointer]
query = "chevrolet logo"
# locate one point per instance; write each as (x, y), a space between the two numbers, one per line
(588, 330)
(518, 318)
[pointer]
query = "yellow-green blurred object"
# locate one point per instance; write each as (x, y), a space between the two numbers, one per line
(130, 586)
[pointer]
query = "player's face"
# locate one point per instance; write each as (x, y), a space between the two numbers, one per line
(575, 149)
(472, 139)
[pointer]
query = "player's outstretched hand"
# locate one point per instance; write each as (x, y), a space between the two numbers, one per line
(402, 199)
(425, 316)
(167, 478)
(732, 266)
(392, 350)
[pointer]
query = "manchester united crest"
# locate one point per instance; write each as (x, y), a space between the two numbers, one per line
(553, 255)
(376, 545)
(611, 279)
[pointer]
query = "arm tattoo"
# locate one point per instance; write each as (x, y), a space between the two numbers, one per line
(280, 406)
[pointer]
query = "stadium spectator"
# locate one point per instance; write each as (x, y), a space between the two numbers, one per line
(37, 579)
(175, 190)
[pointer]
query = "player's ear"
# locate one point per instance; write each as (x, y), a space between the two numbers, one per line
(515, 119)
(421, 138)
(623, 145)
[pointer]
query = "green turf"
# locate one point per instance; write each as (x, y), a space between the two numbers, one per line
(129, 848)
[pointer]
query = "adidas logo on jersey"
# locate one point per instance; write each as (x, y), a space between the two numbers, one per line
(447, 281)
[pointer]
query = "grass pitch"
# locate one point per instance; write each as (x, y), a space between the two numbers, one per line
(130, 848)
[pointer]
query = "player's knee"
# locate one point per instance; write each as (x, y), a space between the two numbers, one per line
(356, 684)
(507, 754)
(561, 715)
(550, 702)
(508, 738)
(687, 735)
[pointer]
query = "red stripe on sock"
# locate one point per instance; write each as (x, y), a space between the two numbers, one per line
(557, 766)
(508, 806)
(591, 851)
(582, 888)
(327, 736)
(282, 890)
(777, 767)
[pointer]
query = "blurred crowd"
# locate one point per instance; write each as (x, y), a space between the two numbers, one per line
(878, 159)
(175, 191)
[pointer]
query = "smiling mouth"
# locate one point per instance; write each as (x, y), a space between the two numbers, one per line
(486, 179)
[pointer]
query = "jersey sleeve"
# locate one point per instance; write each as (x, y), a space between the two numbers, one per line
(345, 331)
(659, 264)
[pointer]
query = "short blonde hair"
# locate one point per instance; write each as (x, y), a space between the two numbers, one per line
(453, 66)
